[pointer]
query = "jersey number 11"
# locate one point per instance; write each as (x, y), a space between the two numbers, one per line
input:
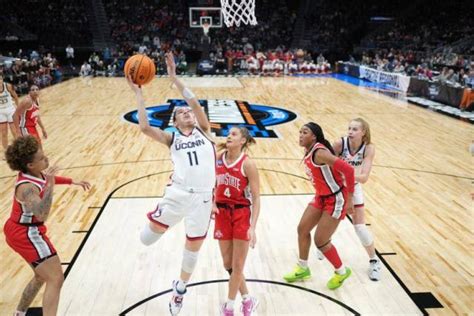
(191, 161)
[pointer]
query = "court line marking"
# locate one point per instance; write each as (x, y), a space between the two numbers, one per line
(129, 309)
(265, 158)
(110, 196)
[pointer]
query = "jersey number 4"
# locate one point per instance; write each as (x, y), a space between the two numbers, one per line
(227, 192)
(191, 155)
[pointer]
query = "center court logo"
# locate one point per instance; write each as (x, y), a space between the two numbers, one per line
(223, 115)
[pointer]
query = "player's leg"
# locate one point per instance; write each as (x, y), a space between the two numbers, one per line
(190, 256)
(4, 133)
(333, 213)
(166, 214)
(28, 295)
(308, 221)
(196, 222)
(35, 247)
(364, 234)
(240, 246)
(51, 272)
(32, 131)
(11, 124)
(223, 233)
(158, 224)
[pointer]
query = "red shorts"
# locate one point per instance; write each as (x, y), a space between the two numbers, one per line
(30, 242)
(334, 204)
(32, 131)
(232, 222)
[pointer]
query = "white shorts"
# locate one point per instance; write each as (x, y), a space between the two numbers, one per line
(358, 197)
(177, 204)
(6, 115)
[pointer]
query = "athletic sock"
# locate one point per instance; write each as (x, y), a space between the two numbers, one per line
(333, 257)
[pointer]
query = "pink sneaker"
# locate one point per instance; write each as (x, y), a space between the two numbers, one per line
(249, 306)
(225, 311)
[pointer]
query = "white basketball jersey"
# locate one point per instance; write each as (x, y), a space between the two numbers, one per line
(194, 159)
(6, 100)
(356, 159)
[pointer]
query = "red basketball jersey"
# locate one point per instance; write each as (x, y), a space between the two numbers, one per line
(18, 214)
(323, 177)
(232, 184)
(30, 117)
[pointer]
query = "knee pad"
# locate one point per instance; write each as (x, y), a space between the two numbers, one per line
(364, 235)
(189, 260)
(148, 237)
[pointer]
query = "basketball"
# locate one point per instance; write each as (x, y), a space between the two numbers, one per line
(140, 68)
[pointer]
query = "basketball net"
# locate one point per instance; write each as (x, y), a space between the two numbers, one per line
(205, 28)
(238, 11)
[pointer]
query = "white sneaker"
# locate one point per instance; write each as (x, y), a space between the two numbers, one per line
(374, 270)
(320, 255)
(176, 300)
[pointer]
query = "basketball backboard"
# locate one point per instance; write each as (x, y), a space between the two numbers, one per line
(201, 15)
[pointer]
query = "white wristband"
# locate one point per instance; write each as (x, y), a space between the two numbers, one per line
(188, 94)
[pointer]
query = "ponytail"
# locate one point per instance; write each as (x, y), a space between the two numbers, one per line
(318, 132)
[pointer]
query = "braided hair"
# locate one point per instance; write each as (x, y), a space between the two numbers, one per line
(318, 132)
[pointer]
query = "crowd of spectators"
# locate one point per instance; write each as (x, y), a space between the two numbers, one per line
(55, 22)
(329, 25)
(148, 26)
(445, 66)
(23, 69)
(153, 27)
(269, 63)
(422, 32)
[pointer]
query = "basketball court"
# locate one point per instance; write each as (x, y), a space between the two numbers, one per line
(418, 201)
(139, 283)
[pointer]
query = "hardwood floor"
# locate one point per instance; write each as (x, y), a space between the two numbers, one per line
(418, 197)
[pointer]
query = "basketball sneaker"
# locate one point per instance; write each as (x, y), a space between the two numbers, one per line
(374, 270)
(337, 279)
(298, 274)
(225, 311)
(249, 305)
(176, 300)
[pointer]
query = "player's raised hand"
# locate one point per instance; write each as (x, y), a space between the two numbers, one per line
(135, 88)
(170, 64)
(84, 184)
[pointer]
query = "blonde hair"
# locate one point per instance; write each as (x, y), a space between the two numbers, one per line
(366, 128)
(249, 140)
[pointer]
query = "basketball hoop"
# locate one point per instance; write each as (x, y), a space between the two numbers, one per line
(238, 11)
(205, 28)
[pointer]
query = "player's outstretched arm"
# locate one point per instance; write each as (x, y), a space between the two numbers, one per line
(145, 127)
(12, 91)
(363, 176)
(24, 105)
(29, 195)
(254, 182)
(337, 146)
(190, 98)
